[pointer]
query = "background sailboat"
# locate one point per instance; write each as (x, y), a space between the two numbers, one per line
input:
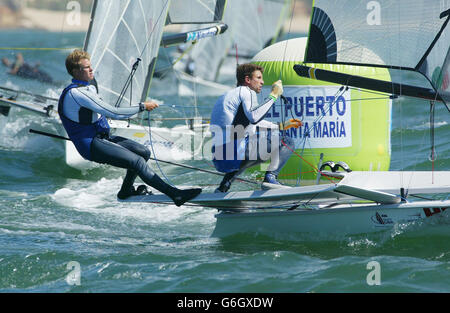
(123, 38)
(413, 45)
(208, 67)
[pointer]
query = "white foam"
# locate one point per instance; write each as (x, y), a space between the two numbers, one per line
(14, 133)
(426, 126)
(100, 198)
(13, 194)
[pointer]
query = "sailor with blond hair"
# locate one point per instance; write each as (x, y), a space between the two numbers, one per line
(84, 116)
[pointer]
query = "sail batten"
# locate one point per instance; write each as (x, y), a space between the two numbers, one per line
(122, 31)
(131, 35)
(111, 37)
(102, 27)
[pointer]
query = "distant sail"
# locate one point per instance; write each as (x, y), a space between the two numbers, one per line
(120, 32)
(258, 26)
(397, 34)
(196, 11)
(252, 24)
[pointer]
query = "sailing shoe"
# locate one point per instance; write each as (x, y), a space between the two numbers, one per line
(180, 196)
(271, 182)
(141, 190)
(225, 184)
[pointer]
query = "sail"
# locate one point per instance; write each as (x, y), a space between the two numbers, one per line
(397, 34)
(252, 24)
(259, 27)
(196, 11)
(121, 31)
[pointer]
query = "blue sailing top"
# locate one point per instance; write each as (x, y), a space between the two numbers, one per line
(83, 114)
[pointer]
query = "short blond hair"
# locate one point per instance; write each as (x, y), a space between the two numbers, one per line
(73, 60)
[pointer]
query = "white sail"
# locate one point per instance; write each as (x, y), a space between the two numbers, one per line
(122, 31)
(252, 24)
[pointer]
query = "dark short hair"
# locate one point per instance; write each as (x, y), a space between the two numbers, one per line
(246, 69)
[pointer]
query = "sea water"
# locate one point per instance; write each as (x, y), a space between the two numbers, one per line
(63, 230)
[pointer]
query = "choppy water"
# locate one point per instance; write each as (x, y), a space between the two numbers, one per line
(51, 215)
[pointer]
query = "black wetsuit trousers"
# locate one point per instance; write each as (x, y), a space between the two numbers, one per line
(124, 153)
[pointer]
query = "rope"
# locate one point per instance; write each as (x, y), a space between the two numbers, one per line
(338, 94)
(184, 53)
(153, 151)
(281, 73)
(315, 168)
(433, 148)
(153, 29)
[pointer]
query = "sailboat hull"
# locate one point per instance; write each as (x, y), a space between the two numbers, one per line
(167, 144)
(338, 220)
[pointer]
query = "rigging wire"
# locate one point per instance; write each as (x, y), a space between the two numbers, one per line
(153, 151)
(283, 100)
(153, 29)
(433, 156)
(38, 49)
(129, 84)
(138, 60)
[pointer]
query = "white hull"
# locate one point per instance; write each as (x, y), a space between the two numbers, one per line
(340, 220)
(324, 209)
(183, 142)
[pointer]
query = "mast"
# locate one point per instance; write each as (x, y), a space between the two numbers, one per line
(88, 34)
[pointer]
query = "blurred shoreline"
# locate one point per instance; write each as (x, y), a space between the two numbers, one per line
(47, 20)
(55, 21)
(63, 21)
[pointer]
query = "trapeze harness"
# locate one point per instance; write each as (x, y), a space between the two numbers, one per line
(79, 115)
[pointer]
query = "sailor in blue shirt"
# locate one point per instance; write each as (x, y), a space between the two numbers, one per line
(240, 132)
(84, 116)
